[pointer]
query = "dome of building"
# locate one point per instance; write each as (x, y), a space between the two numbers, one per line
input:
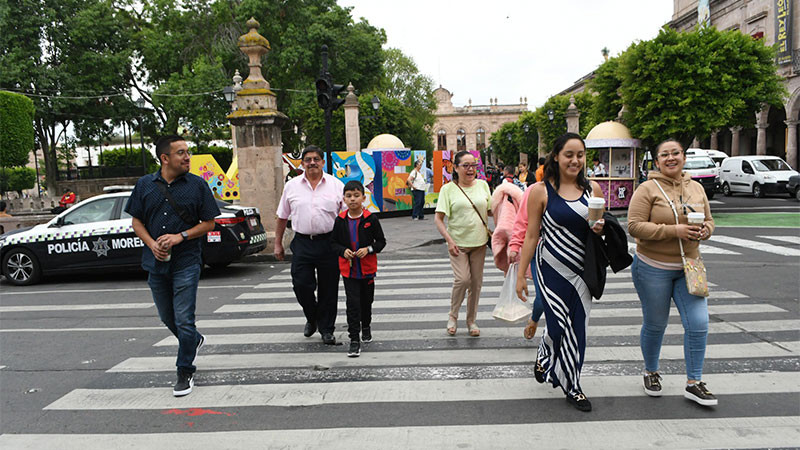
(609, 130)
(387, 141)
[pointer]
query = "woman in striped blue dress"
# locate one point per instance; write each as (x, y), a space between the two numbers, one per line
(558, 212)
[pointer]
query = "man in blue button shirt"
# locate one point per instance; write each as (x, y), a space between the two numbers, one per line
(172, 252)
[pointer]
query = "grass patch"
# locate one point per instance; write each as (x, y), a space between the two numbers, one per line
(765, 220)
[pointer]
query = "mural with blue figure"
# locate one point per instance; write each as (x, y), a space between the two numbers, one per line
(359, 166)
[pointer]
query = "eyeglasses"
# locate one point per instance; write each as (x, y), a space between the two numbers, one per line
(674, 154)
(308, 160)
(469, 166)
(183, 153)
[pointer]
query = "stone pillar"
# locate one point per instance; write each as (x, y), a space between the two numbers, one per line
(523, 158)
(257, 125)
(573, 116)
(761, 139)
(540, 145)
(714, 141)
(352, 133)
(791, 143)
(735, 140)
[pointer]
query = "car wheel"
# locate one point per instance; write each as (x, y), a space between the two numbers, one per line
(220, 265)
(726, 190)
(797, 194)
(710, 194)
(21, 267)
(758, 192)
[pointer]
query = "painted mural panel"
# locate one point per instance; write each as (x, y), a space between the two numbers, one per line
(396, 164)
(359, 166)
(223, 187)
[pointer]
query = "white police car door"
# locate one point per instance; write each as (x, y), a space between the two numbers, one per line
(86, 233)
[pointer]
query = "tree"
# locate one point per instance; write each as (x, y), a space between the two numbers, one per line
(551, 130)
(685, 85)
(606, 85)
(17, 179)
(402, 81)
(505, 143)
(16, 129)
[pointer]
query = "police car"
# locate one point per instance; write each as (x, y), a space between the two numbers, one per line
(98, 234)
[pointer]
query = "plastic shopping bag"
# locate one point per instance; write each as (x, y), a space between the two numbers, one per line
(509, 307)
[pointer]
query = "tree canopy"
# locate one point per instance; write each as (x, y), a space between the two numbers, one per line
(16, 129)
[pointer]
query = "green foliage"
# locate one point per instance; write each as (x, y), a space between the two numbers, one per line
(223, 155)
(508, 150)
(606, 85)
(551, 130)
(16, 129)
(682, 85)
(17, 179)
(122, 157)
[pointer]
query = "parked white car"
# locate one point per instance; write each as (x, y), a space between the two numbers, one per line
(703, 170)
(755, 174)
(715, 155)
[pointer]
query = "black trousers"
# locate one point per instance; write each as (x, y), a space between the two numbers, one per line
(315, 270)
(360, 294)
(418, 203)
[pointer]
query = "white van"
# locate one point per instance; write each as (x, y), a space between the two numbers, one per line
(756, 174)
(703, 170)
(715, 155)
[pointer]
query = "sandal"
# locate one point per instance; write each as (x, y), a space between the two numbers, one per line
(530, 329)
(451, 327)
(474, 331)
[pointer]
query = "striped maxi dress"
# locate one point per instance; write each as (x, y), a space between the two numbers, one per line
(567, 301)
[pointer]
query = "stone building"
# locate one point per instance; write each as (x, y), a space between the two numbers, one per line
(469, 127)
(775, 131)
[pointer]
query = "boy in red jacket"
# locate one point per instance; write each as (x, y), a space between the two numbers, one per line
(357, 238)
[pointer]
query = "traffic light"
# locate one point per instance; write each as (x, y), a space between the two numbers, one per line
(328, 93)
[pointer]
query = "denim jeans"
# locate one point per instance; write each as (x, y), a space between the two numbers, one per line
(418, 203)
(655, 288)
(175, 296)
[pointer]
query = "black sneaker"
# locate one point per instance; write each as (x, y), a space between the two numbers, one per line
(328, 339)
(355, 349)
(652, 384)
(184, 384)
(580, 402)
(698, 393)
(200, 343)
(538, 373)
(366, 335)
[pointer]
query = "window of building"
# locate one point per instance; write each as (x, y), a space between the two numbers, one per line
(480, 139)
(461, 140)
(441, 140)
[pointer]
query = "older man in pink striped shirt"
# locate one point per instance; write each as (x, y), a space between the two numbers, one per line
(312, 202)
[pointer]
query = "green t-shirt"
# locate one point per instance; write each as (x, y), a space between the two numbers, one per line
(463, 223)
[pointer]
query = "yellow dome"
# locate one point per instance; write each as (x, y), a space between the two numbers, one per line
(609, 130)
(387, 141)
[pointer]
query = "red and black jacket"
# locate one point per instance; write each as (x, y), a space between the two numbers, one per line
(370, 233)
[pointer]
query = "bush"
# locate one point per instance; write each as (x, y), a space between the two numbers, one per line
(118, 158)
(223, 155)
(17, 179)
(16, 129)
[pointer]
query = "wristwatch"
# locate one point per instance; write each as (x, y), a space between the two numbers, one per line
(185, 235)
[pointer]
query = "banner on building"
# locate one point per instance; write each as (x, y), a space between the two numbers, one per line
(783, 31)
(703, 13)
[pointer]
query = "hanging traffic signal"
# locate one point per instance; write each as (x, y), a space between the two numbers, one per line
(324, 91)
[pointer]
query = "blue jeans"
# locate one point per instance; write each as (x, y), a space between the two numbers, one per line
(655, 288)
(418, 202)
(175, 296)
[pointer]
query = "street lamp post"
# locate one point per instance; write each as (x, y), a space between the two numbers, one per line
(550, 114)
(140, 105)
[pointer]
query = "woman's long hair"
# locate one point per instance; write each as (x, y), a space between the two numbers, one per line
(551, 166)
(456, 161)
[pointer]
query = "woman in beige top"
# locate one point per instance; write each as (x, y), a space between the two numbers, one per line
(657, 267)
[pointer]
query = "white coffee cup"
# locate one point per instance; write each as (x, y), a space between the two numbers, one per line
(696, 218)
(597, 206)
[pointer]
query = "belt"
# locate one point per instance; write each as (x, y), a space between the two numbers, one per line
(314, 237)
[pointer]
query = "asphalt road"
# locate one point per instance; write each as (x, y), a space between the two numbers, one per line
(87, 364)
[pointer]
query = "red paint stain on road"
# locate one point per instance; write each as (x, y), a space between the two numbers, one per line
(192, 412)
(191, 424)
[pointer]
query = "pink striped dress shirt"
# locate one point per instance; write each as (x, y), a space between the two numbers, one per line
(312, 211)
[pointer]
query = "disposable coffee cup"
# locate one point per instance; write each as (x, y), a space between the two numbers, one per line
(696, 218)
(597, 206)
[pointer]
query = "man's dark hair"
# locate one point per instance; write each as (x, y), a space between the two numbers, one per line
(596, 159)
(312, 149)
(164, 143)
(354, 185)
(541, 161)
(2, 205)
(509, 169)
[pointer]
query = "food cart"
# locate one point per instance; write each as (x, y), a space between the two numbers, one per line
(617, 152)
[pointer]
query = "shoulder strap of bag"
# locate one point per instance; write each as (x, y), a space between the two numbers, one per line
(473, 207)
(182, 212)
(674, 211)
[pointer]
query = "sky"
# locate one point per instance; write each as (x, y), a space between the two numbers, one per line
(511, 48)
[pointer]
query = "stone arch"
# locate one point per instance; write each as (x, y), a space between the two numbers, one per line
(793, 106)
